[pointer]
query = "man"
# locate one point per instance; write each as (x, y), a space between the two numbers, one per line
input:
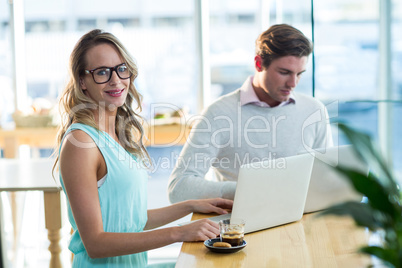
(264, 119)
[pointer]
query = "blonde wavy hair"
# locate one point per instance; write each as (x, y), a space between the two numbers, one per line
(76, 107)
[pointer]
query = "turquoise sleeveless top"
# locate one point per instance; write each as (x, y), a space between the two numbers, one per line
(122, 197)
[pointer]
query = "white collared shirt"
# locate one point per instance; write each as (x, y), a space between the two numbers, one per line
(248, 96)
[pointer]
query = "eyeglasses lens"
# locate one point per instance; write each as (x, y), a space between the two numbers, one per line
(122, 72)
(103, 75)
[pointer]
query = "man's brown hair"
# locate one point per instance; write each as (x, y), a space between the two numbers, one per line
(282, 40)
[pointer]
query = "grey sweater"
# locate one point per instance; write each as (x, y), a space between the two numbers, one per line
(228, 135)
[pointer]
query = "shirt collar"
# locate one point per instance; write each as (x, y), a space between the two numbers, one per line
(248, 96)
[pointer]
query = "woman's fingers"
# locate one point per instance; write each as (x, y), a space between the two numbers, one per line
(203, 230)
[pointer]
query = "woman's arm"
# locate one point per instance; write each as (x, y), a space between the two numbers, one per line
(162, 216)
(81, 163)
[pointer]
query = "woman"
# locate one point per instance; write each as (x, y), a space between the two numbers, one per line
(101, 160)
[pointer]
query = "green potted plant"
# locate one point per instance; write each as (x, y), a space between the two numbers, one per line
(381, 213)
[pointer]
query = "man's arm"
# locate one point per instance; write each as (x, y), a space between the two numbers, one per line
(187, 180)
(324, 133)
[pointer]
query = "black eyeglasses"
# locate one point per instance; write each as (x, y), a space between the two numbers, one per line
(102, 75)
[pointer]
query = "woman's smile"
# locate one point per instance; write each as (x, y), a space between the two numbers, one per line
(115, 92)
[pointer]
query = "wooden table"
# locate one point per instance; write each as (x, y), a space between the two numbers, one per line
(311, 242)
(11, 139)
(35, 175)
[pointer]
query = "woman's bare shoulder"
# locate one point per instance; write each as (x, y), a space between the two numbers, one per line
(79, 139)
(79, 144)
(79, 152)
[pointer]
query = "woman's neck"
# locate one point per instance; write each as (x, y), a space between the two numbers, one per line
(106, 121)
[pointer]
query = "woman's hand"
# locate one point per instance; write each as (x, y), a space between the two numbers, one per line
(213, 205)
(199, 230)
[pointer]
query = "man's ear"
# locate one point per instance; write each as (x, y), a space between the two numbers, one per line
(258, 63)
(82, 84)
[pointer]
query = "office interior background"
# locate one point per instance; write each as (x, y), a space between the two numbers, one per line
(191, 52)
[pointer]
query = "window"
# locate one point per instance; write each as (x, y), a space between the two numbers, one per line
(6, 96)
(396, 104)
(346, 53)
(160, 38)
(233, 31)
(344, 73)
(347, 64)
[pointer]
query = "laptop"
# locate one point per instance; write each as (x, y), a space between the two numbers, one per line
(328, 186)
(271, 193)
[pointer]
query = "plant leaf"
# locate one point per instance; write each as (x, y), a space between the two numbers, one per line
(362, 214)
(388, 256)
(366, 150)
(378, 196)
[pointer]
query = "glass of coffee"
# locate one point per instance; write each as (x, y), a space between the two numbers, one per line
(232, 231)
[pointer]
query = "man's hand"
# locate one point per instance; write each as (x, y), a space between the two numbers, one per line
(213, 205)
